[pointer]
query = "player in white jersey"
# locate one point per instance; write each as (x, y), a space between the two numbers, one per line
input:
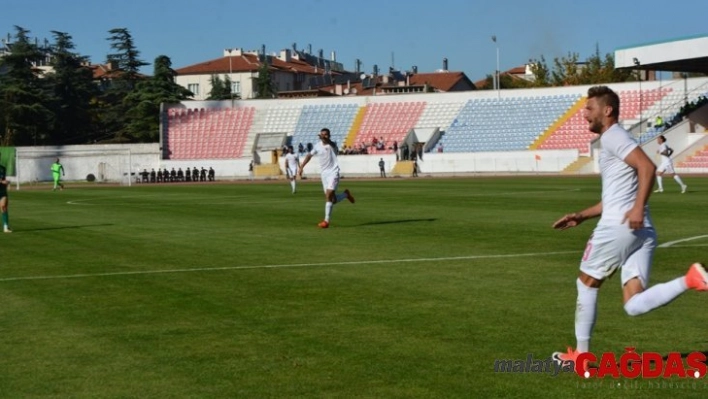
(292, 164)
(666, 166)
(326, 152)
(624, 238)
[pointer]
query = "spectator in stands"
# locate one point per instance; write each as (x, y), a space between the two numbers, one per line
(440, 147)
(165, 175)
(144, 175)
(180, 174)
(187, 174)
(667, 166)
(382, 168)
(159, 175)
(300, 148)
(173, 175)
(658, 122)
(195, 174)
(153, 176)
(380, 145)
(404, 151)
(203, 174)
(211, 174)
(326, 152)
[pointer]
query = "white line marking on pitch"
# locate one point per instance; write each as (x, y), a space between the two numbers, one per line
(670, 243)
(208, 269)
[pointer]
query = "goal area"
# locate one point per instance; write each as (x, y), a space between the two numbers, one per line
(101, 165)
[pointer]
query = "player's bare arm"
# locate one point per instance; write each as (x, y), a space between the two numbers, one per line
(304, 162)
(574, 219)
(646, 171)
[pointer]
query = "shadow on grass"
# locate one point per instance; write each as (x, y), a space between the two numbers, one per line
(397, 221)
(62, 227)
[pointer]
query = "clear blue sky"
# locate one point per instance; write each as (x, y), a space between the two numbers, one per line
(379, 32)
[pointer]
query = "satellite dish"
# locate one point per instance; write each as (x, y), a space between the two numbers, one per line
(362, 76)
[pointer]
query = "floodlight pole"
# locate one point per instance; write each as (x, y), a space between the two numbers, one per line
(497, 83)
(231, 78)
(498, 75)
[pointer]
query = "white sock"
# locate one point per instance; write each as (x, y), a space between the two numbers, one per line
(660, 183)
(678, 180)
(585, 314)
(292, 184)
(341, 196)
(656, 296)
(328, 210)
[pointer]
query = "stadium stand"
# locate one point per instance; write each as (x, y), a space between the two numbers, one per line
(505, 124)
(439, 115)
(471, 122)
(574, 133)
(281, 119)
(208, 133)
(336, 117)
(697, 160)
(392, 121)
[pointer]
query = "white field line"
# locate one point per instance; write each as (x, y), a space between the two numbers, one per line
(672, 243)
(283, 266)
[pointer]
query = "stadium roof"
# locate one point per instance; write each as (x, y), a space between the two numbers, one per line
(688, 54)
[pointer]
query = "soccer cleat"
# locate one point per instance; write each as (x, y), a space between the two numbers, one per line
(658, 190)
(350, 197)
(571, 355)
(323, 224)
(683, 189)
(6, 230)
(697, 278)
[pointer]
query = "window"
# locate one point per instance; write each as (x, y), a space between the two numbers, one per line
(236, 87)
(194, 88)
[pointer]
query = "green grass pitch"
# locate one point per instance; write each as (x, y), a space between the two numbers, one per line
(231, 291)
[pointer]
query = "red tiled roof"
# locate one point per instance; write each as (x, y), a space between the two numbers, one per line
(248, 63)
(443, 81)
(103, 72)
(240, 63)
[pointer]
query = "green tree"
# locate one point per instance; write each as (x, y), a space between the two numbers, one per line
(488, 83)
(143, 103)
(610, 74)
(23, 116)
(565, 70)
(72, 90)
(115, 115)
(126, 57)
(541, 72)
(264, 83)
(220, 88)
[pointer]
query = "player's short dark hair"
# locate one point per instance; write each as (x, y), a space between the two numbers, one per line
(324, 129)
(662, 137)
(607, 97)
